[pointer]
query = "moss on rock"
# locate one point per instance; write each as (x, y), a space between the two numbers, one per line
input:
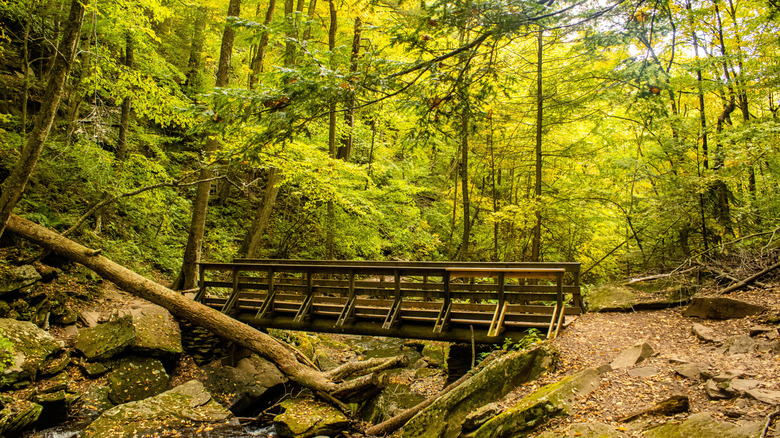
(29, 348)
(306, 418)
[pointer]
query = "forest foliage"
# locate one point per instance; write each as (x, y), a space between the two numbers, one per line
(623, 135)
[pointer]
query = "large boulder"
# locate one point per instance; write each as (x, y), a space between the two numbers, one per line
(444, 416)
(537, 408)
(94, 401)
(26, 351)
(156, 331)
(136, 378)
(704, 425)
(188, 406)
(246, 385)
(721, 308)
(17, 278)
(306, 418)
(610, 298)
(105, 340)
(586, 430)
(148, 329)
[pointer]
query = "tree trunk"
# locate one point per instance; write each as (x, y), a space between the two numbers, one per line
(189, 271)
(194, 66)
(206, 317)
(331, 214)
(259, 50)
(345, 150)
(121, 151)
(14, 185)
(251, 245)
(537, 238)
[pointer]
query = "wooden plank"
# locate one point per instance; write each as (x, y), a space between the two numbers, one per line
(267, 307)
(305, 308)
(348, 312)
(530, 273)
(395, 309)
(233, 294)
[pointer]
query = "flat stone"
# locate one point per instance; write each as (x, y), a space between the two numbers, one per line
(644, 372)
(705, 334)
(704, 425)
(94, 369)
(137, 378)
(741, 345)
(740, 386)
(689, 370)
(18, 416)
(728, 375)
(764, 395)
(94, 401)
(89, 319)
(721, 308)
(632, 356)
(760, 330)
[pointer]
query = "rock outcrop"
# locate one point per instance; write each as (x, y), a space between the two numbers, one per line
(306, 418)
(26, 353)
(721, 308)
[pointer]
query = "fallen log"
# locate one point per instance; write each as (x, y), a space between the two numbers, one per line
(742, 283)
(214, 321)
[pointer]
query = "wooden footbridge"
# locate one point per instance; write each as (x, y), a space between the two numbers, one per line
(449, 301)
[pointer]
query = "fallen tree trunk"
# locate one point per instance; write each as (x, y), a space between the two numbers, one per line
(185, 308)
(742, 283)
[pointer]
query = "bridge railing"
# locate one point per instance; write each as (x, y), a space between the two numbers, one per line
(396, 298)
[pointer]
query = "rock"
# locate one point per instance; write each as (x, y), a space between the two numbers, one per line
(705, 334)
(704, 425)
(156, 331)
(94, 369)
(55, 363)
(393, 399)
(537, 408)
(136, 378)
(54, 407)
(89, 319)
(736, 387)
(632, 356)
(715, 391)
(18, 278)
(603, 369)
(17, 416)
(644, 372)
(728, 375)
(760, 330)
(29, 347)
(741, 345)
(480, 416)
(445, 415)
(721, 308)
(186, 406)
(105, 340)
(426, 372)
(248, 386)
(586, 430)
(675, 404)
(764, 395)
(305, 418)
(94, 401)
(688, 370)
(435, 354)
(610, 298)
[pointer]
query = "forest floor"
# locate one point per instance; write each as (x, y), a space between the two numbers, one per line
(596, 339)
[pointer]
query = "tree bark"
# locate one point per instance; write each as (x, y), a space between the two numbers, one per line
(536, 243)
(189, 271)
(259, 50)
(121, 151)
(14, 185)
(345, 150)
(194, 64)
(251, 245)
(331, 212)
(206, 317)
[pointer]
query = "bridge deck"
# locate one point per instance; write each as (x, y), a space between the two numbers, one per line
(452, 301)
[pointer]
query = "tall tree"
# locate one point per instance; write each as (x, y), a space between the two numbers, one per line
(14, 185)
(188, 276)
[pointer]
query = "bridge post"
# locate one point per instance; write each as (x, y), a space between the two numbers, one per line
(497, 324)
(305, 308)
(268, 304)
(395, 309)
(233, 294)
(348, 312)
(443, 320)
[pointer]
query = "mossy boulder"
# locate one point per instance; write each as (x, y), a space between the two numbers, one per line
(704, 425)
(444, 416)
(94, 401)
(18, 416)
(539, 407)
(393, 399)
(27, 350)
(106, 340)
(436, 353)
(721, 308)
(188, 406)
(17, 278)
(246, 386)
(306, 418)
(156, 332)
(610, 298)
(136, 378)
